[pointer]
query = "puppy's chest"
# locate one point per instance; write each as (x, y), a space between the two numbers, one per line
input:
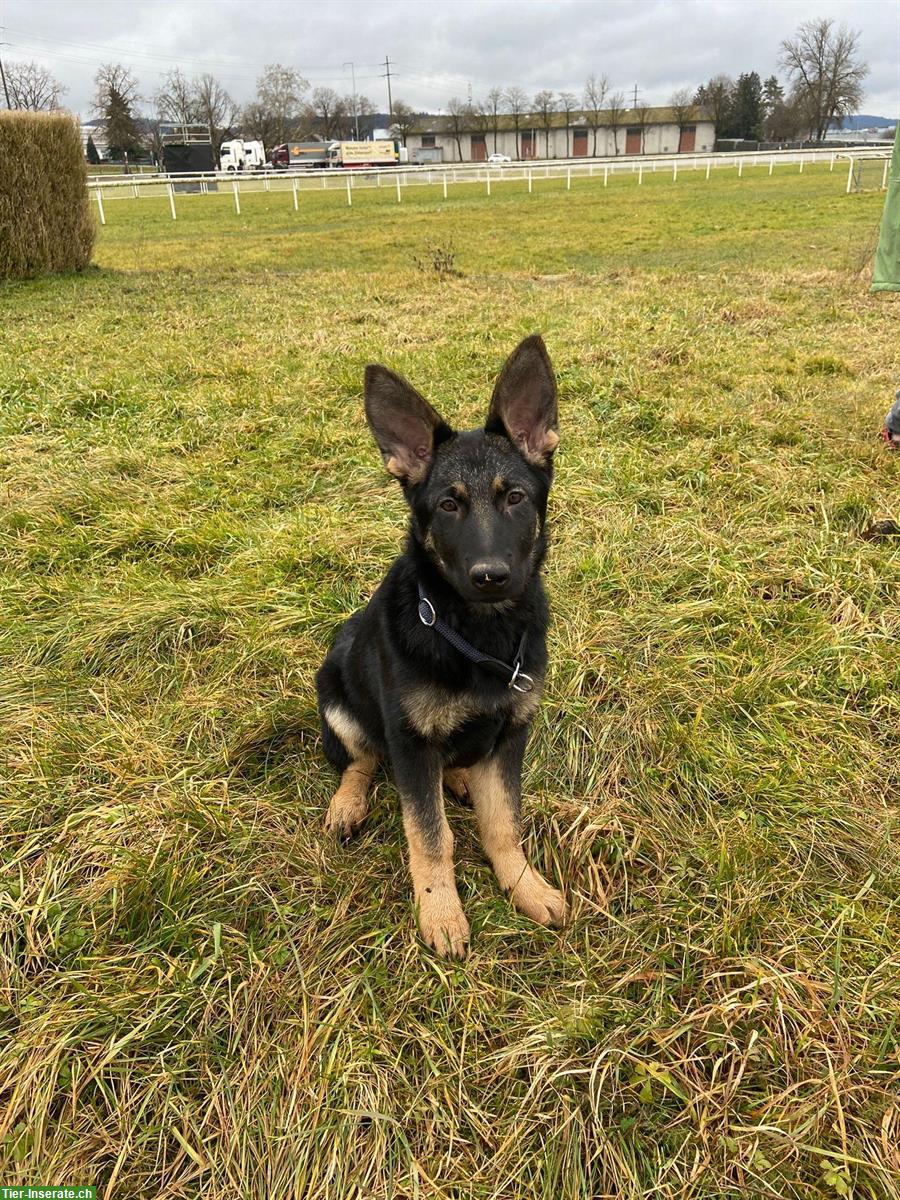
(436, 713)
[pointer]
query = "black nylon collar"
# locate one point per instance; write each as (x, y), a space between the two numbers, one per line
(513, 676)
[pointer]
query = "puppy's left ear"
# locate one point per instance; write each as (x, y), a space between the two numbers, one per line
(523, 405)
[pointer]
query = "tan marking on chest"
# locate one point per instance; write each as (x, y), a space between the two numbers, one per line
(436, 713)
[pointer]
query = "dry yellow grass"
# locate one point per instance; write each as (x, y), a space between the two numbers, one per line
(46, 224)
(200, 995)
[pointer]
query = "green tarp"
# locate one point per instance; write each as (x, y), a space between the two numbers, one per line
(886, 277)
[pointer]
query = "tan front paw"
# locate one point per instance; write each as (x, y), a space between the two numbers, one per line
(534, 896)
(442, 922)
(346, 813)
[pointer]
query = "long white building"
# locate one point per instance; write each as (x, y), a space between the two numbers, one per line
(473, 138)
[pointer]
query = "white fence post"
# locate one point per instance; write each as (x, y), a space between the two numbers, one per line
(100, 207)
(605, 176)
(445, 185)
(801, 166)
(771, 165)
(172, 201)
(349, 196)
(487, 179)
(568, 179)
(708, 165)
(237, 199)
(740, 168)
(294, 190)
(850, 177)
(640, 174)
(884, 174)
(398, 189)
(674, 172)
(529, 182)
(831, 168)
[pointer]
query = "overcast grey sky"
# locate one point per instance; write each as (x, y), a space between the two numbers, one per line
(438, 48)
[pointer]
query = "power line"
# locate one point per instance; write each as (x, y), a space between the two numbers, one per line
(387, 76)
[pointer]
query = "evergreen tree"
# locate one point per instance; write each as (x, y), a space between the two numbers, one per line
(91, 152)
(747, 109)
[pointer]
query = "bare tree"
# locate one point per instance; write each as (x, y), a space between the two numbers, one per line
(327, 111)
(279, 91)
(568, 102)
(460, 115)
(114, 101)
(258, 121)
(644, 114)
(826, 74)
(717, 98)
(543, 106)
(364, 110)
(595, 93)
(404, 119)
(216, 109)
(175, 101)
(516, 104)
(683, 111)
(615, 116)
(493, 107)
(32, 87)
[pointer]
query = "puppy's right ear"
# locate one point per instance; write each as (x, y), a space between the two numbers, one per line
(403, 423)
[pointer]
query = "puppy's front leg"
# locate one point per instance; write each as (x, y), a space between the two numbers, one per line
(495, 785)
(418, 772)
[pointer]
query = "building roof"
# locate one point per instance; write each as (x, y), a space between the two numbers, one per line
(478, 122)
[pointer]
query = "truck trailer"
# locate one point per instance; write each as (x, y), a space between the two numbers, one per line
(317, 155)
(299, 155)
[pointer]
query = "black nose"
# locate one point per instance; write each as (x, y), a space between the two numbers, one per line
(489, 574)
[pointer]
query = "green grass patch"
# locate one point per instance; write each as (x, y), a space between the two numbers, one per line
(198, 994)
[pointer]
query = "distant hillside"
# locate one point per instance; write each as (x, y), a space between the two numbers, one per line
(865, 121)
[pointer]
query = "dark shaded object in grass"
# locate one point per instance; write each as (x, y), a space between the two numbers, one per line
(879, 530)
(891, 431)
(439, 259)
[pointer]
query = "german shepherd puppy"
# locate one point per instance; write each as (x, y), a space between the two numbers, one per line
(438, 677)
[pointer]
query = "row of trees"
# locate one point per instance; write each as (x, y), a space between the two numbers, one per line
(823, 70)
(825, 78)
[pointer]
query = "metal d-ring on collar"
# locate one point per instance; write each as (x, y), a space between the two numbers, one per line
(513, 676)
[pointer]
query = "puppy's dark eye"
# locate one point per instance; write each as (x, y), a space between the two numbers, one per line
(449, 505)
(515, 497)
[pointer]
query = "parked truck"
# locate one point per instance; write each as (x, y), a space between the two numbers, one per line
(238, 155)
(298, 155)
(380, 153)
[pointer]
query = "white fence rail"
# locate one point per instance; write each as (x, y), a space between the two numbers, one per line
(292, 183)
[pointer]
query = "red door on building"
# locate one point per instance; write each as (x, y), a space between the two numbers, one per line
(633, 141)
(688, 139)
(479, 148)
(528, 141)
(579, 143)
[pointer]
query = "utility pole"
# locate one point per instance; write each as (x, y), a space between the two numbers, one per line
(3, 77)
(355, 105)
(387, 76)
(634, 104)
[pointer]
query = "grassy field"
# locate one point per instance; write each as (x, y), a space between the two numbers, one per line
(199, 995)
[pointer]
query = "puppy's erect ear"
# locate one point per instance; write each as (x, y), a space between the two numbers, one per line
(524, 402)
(403, 423)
